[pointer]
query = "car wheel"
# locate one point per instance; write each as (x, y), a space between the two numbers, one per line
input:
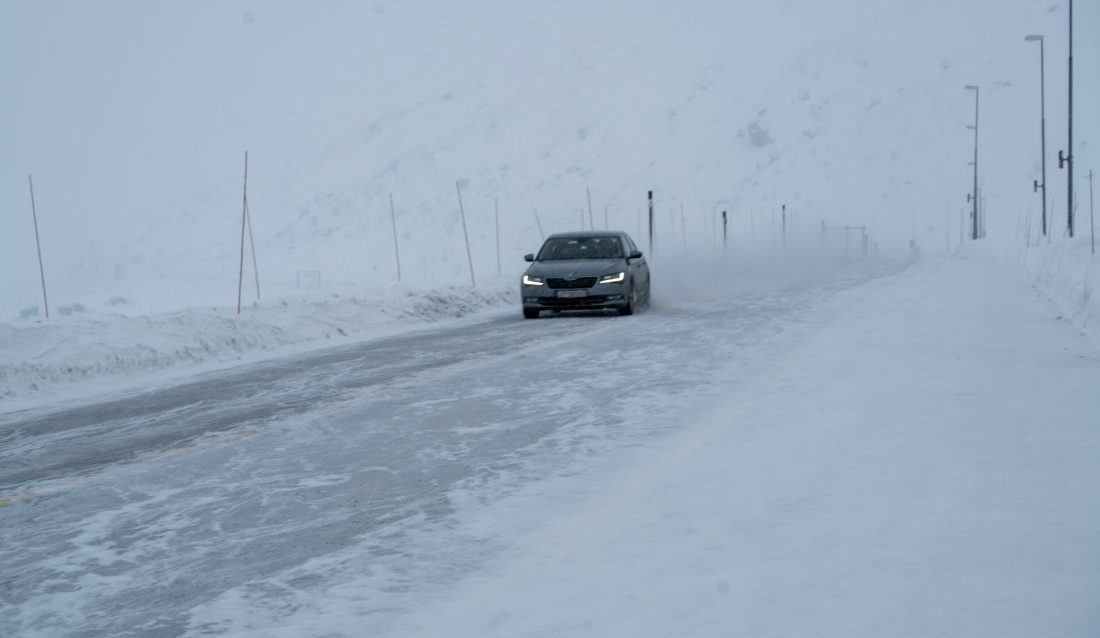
(530, 313)
(631, 299)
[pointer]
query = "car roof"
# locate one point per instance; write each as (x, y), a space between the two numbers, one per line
(588, 233)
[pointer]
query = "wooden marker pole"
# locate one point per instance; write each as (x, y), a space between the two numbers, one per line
(396, 252)
(465, 234)
(244, 220)
(496, 219)
(38, 245)
(252, 243)
(588, 194)
(539, 224)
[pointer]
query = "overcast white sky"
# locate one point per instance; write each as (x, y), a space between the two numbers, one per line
(125, 109)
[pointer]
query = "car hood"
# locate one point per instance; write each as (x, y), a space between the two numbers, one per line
(573, 268)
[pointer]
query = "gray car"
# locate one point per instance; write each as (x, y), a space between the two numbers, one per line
(585, 271)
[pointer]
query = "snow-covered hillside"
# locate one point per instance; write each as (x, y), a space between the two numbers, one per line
(134, 120)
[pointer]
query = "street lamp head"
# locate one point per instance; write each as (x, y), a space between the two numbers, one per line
(971, 87)
(1033, 38)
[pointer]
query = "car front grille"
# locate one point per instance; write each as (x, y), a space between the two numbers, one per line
(558, 283)
(590, 300)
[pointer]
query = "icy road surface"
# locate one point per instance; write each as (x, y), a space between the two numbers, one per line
(872, 452)
(117, 518)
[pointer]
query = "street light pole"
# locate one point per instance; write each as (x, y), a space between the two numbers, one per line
(974, 194)
(1042, 120)
(1066, 161)
(1069, 146)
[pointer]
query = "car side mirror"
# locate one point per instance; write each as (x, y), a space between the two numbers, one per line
(529, 257)
(637, 254)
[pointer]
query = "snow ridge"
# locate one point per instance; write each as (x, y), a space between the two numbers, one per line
(43, 359)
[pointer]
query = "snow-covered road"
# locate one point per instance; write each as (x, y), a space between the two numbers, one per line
(125, 514)
(923, 464)
(871, 453)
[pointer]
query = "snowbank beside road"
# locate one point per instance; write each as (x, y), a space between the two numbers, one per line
(82, 354)
(1067, 272)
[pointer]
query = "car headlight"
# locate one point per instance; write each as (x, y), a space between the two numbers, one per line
(528, 280)
(614, 278)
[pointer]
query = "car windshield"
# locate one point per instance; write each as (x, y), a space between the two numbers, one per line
(562, 248)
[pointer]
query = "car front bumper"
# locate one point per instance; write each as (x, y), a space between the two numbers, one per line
(596, 297)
